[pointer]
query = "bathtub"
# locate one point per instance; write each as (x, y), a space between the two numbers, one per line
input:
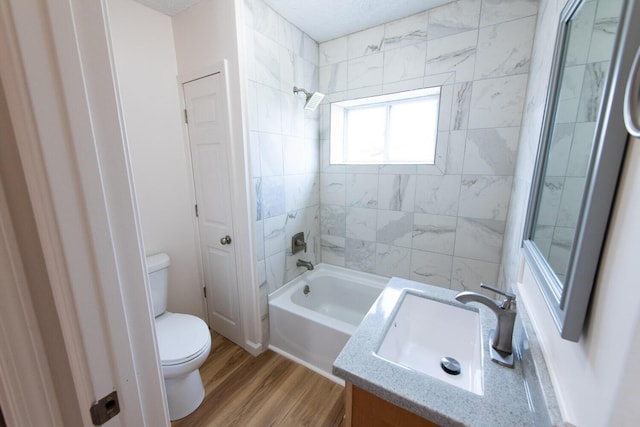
(312, 328)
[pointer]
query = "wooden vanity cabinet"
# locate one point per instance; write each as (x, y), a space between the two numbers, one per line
(363, 409)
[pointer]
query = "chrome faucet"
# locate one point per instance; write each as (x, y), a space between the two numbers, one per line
(307, 264)
(502, 337)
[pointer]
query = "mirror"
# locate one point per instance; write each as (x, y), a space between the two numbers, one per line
(579, 159)
(584, 68)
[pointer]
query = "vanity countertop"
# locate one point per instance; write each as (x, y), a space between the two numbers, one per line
(504, 403)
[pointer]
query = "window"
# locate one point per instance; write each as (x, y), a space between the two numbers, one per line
(398, 128)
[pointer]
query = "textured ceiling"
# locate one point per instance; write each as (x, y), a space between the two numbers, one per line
(328, 19)
(324, 19)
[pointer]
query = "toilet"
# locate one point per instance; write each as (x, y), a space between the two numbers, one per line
(184, 343)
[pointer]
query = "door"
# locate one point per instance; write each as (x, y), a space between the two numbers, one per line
(66, 169)
(207, 124)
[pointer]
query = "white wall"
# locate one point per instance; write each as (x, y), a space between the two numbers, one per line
(596, 379)
(146, 69)
(206, 34)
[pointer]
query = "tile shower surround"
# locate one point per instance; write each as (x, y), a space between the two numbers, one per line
(441, 224)
(284, 145)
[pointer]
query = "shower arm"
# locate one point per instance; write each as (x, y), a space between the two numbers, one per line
(312, 99)
(299, 89)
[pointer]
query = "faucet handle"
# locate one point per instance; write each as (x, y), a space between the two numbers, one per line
(298, 243)
(301, 244)
(509, 297)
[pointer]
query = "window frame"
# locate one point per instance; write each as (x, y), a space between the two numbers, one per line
(339, 111)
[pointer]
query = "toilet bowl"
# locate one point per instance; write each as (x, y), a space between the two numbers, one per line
(184, 343)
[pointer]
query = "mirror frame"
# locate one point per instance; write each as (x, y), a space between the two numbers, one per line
(569, 303)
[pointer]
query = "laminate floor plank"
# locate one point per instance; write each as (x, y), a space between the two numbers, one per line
(258, 395)
(265, 403)
(264, 391)
(314, 406)
(229, 394)
(224, 359)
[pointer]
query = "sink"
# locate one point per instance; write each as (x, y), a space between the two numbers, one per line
(424, 331)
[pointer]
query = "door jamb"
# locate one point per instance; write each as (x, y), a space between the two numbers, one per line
(19, 326)
(67, 121)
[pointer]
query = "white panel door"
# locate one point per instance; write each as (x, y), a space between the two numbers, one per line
(206, 106)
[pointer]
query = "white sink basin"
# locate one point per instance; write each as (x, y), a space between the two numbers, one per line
(424, 331)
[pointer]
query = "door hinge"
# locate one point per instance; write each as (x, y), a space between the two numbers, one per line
(196, 210)
(205, 292)
(186, 116)
(105, 409)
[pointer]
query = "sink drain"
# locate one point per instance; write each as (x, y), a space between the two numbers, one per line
(450, 365)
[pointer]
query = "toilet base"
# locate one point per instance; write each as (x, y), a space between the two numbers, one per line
(184, 394)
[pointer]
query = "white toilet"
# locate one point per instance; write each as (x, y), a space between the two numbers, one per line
(184, 342)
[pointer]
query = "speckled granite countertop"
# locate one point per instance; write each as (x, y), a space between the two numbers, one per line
(505, 401)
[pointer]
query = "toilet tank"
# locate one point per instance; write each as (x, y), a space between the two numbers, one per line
(158, 271)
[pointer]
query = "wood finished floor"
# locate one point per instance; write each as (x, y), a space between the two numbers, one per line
(268, 390)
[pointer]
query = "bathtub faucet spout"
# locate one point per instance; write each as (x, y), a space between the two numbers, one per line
(307, 264)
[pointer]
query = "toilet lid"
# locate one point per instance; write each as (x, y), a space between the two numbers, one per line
(181, 337)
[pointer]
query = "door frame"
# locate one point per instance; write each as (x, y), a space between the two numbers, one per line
(60, 89)
(65, 113)
(241, 200)
(19, 326)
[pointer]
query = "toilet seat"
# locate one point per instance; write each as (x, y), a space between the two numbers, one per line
(181, 338)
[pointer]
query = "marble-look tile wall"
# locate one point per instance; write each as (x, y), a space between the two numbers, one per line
(284, 144)
(587, 61)
(441, 224)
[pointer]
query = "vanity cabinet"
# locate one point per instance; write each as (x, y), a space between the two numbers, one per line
(363, 409)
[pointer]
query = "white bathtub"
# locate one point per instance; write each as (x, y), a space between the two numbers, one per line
(313, 328)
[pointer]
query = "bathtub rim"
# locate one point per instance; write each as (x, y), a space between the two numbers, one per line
(281, 297)
(323, 268)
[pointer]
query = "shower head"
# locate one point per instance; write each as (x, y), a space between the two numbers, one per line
(313, 99)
